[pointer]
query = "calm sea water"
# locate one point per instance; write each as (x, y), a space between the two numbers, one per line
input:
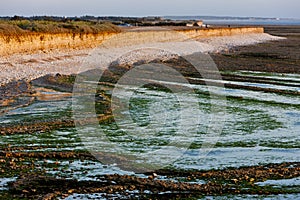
(293, 22)
(250, 21)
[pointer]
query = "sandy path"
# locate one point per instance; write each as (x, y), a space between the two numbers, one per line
(31, 66)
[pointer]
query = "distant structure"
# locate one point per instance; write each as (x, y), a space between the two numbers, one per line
(197, 23)
(189, 24)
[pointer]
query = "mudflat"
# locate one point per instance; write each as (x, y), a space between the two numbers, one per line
(281, 56)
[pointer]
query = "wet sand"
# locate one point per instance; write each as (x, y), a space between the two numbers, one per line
(282, 56)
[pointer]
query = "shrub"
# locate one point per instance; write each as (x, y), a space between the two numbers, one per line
(25, 26)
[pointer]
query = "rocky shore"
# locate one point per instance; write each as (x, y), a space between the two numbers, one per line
(70, 61)
(32, 167)
(219, 182)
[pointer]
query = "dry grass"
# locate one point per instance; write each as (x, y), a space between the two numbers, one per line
(19, 27)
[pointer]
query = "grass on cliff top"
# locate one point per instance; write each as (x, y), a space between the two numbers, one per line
(19, 27)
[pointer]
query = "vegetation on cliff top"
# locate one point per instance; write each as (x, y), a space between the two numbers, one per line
(19, 27)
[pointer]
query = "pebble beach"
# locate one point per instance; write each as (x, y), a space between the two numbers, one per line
(69, 61)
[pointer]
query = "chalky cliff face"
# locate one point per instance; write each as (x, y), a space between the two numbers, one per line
(33, 42)
(30, 43)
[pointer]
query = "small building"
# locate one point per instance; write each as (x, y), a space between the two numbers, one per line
(198, 23)
(195, 23)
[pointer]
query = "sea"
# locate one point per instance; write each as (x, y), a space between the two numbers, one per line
(239, 21)
(286, 22)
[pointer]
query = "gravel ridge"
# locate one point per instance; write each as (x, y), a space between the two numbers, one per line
(68, 61)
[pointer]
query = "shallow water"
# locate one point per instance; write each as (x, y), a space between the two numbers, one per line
(254, 197)
(237, 197)
(167, 129)
(284, 182)
(5, 181)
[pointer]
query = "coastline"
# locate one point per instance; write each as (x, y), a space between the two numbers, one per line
(69, 60)
(261, 94)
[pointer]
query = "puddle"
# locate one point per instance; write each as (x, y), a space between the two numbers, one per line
(281, 183)
(43, 94)
(4, 182)
(258, 85)
(100, 196)
(241, 93)
(39, 110)
(229, 197)
(253, 197)
(82, 170)
(220, 158)
(266, 75)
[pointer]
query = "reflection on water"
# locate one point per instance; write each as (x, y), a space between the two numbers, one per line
(284, 182)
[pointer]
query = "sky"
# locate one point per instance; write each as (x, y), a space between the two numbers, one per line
(246, 8)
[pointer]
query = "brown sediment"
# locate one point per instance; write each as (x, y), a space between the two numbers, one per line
(274, 56)
(58, 82)
(218, 182)
(44, 94)
(35, 127)
(14, 89)
(212, 77)
(15, 94)
(6, 153)
(257, 173)
(41, 127)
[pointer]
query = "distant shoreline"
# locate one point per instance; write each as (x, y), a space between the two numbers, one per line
(164, 20)
(255, 22)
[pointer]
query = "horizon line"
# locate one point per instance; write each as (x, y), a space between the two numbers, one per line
(141, 16)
